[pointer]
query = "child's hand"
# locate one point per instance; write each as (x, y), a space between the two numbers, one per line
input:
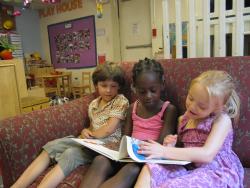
(170, 140)
(86, 133)
(152, 149)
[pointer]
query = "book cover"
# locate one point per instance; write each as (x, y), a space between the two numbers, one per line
(125, 152)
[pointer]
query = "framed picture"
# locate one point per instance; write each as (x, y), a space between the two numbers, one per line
(73, 43)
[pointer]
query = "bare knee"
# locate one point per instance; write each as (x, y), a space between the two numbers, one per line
(145, 170)
(132, 169)
(98, 172)
(101, 162)
(144, 178)
(44, 154)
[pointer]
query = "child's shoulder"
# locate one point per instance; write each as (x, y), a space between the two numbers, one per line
(180, 118)
(120, 98)
(95, 101)
(223, 118)
(169, 108)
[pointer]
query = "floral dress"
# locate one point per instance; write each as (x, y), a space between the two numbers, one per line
(224, 171)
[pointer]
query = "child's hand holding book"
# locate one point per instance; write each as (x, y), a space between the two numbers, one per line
(170, 140)
(152, 149)
(86, 133)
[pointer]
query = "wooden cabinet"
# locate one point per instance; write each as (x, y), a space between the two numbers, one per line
(14, 97)
(9, 95)
(13, 87)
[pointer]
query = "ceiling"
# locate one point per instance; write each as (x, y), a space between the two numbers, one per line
(38, 4)
(35, 4)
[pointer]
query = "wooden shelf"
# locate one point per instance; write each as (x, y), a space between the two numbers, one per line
(32, 103)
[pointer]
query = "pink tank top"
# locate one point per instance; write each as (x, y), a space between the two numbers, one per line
(147, 129)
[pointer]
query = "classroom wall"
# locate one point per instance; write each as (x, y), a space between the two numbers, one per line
(28, 26)
(105, 42)
(35, 37)
(106, 29)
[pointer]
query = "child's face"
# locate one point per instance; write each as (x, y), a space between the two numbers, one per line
(107, 89)
(148, 89)
(198, 103)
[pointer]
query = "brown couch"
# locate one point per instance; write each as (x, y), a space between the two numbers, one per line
(22, 137)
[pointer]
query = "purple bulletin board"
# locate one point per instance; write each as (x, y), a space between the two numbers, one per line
(73, 43)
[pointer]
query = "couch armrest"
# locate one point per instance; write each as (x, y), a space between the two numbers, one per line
(23, 136)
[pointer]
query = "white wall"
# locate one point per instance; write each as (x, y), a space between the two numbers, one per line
(156, 9)
(135, 30)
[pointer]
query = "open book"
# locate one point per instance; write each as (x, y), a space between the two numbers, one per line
(127, 151)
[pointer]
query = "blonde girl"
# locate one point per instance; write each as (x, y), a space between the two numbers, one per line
(205, 133)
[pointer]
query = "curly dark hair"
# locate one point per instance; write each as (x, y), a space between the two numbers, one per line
(148, 65)
(108, 71)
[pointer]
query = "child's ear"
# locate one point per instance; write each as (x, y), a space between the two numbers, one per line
(120, 89)
(132, 87)
(163, 85)
(96, 88)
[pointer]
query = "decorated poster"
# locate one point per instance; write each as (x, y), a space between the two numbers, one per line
(73, 43)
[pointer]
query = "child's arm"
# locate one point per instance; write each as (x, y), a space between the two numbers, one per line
(204, 154)
(86, 133)
(172, 140)
(170, 122)
(107, 129)
(102, 132)
(114, 116)
(127, 128)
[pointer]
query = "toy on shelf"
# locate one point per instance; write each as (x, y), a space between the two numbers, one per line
(6, 48)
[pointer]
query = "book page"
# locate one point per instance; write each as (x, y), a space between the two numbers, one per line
(123, 153)
(99, 147)
(133, 146)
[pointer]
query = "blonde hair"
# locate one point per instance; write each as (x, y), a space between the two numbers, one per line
(220, 84)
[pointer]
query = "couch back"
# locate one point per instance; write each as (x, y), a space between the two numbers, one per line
(179, 73)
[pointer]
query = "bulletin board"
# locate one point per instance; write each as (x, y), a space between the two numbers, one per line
(73, 43)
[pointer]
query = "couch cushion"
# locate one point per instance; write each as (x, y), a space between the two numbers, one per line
(247, 178)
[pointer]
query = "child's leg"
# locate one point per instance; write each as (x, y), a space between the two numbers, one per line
(100, 169)
(126, 177)
(33, 171)
(144, 178)
(52, 178)
(69, 160)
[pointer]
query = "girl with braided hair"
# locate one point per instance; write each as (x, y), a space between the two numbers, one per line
(147, 118)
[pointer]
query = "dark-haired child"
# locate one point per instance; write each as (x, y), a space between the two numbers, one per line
(105, 114)
(148, 118)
